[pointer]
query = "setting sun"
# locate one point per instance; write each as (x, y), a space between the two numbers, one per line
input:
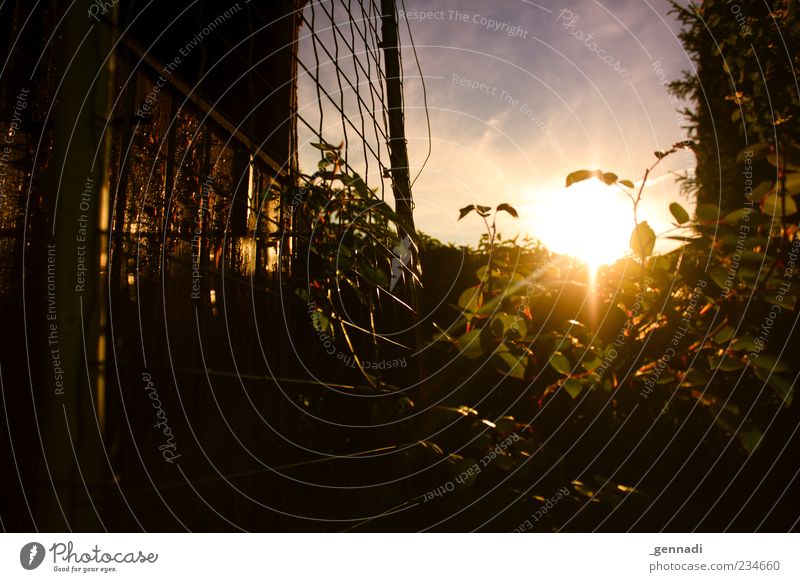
(589, 221)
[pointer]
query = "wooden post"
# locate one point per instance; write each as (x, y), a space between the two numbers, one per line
(71, 402)
(401, 182)
(398, 156)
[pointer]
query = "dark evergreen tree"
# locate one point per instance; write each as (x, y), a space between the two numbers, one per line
(745, 89)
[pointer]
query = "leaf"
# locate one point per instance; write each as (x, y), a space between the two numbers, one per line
(469, 345)
(643, 240)
(720, 278)
(321, 321)
(581, 175)
(482, 273)
(483, 209)
(728, 418)
(793, 183)
(790, 158)
(355, 181)
(761, 190)
(744, 342)
(724, 335)
(666, 378)
(507, 208)
(573, 387)
(591, 362)
(560, 363)
(773, 205)
(470, 301)
(374, 276)
(755, 152)
(503, 324)
(466, 210)
(749, 436)
(725, 363)
(695, 378)
(609, 178)
(733, 217)
(508, 364)
(325, 147)
(785, 301)
(769, 363)
(782, 386)
(627, 183)
(681, 216)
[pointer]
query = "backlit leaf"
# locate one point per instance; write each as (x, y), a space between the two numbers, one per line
(681, 216)
(737, 215)
(483, 273)
(744, 342)
(643, 240)
(560, 363)
(726, 364)
(789, 158)
(755, 152)
(470, 300)
(782, 386)
(591, 362)
(507, 208)
(724, 335)
(503, 324)
(466, 210)
(573, 387)
(793, 183)
(581, 175)
(761, 190)
(469, 344)
(324, 147)
(773, 205)
(609, 178)
(510, 365)
(769, 363)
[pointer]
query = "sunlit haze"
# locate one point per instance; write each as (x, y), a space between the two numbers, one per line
(514, 110)
(590, 221)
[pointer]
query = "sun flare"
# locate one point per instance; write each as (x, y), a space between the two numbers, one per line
(589, 221)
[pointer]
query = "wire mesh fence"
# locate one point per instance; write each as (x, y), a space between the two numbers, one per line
(341, 82)
(210, 134)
